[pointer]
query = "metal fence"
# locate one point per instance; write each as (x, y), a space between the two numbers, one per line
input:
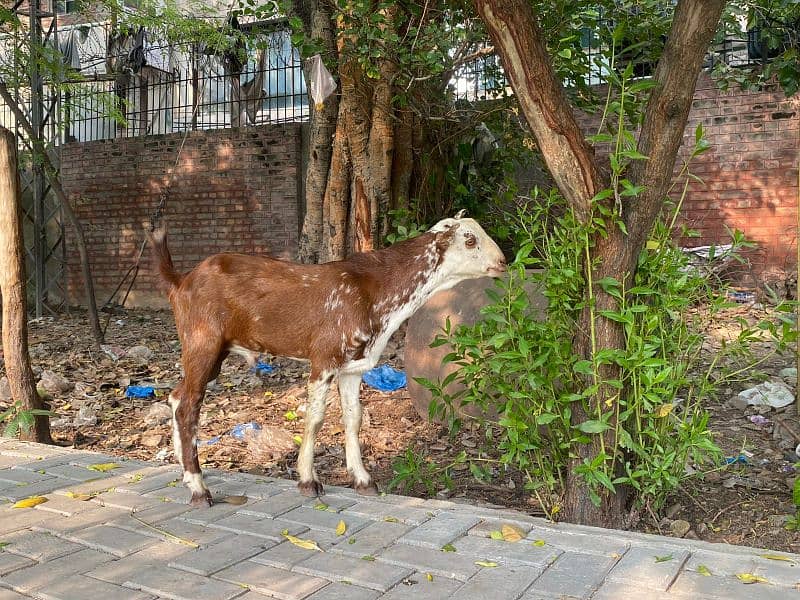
(156, 102)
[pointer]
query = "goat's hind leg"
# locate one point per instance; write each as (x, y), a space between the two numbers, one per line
(186, 400)
(318, 385)
(349, 384)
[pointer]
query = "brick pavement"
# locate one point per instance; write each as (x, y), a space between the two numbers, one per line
(135, 538)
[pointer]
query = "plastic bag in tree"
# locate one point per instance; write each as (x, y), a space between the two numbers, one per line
(322, 83)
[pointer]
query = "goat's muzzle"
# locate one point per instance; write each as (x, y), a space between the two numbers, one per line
(497, 269)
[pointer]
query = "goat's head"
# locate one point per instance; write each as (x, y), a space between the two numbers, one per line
(468, 251)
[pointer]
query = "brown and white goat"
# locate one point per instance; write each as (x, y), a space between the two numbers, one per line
(337, 315)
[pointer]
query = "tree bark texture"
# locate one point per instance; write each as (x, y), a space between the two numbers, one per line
(12, 287)
(317, 21)
(570, 159)
(355, 175)
(512, 25)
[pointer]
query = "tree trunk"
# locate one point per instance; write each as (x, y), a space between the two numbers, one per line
(52, 174)
(12, 288)
(317, 21)
(513, 27)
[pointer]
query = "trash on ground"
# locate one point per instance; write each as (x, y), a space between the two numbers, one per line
(385, 378)
(140, 391)
(262, 368)
(209, 442)
(759, 420)
(770, 393)
(732, 460)
(269, 442)
(238, 431)
(113, 352)
(742, 297)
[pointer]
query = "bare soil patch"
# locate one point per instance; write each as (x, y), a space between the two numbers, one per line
(743, 503)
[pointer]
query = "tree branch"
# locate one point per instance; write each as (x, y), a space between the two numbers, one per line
(513, 27)
(693, 26)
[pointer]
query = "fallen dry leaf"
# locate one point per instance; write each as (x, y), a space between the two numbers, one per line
(341, 528)
(511, 533)
(750, 578)
(235, 500)
(29, 502)
(300, 543)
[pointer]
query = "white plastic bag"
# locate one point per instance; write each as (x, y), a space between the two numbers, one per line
(322, 83)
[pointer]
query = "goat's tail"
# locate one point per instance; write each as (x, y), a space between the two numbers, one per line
(162, 259)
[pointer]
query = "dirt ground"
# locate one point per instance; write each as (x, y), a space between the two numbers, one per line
(744, 503)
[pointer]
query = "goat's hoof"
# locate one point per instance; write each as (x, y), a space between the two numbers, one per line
(366, 489)
(312, 488)
(201, 500)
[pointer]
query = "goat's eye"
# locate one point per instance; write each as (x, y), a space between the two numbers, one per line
(472, 241)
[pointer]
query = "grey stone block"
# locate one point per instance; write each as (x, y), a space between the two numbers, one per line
(644, 567)
(125, 501)
(371, 539)
(207, 515)
(152, 480)
(564, 538)
(380, 511)
(180, 585)
(576, 575)
(506, 553)
(285, 555)
(93, 515)
(440, 530)
(184, 530)
(45, 574)
(487, 526)
(116, 541)
(341, 591)
(13, 519)
(40, 488)
(337, 567)
(694, 585)
(80, 587)
(221, 555)
(334, 503)
(271, 581)
(260, 526)
(11, 595)
(323, 519)
(20, 475)
(428, 560)
(508, 583)
(275, 505)
(39, 546)
(620, 590)
(417, 587)
(11, 562)
(122, 570)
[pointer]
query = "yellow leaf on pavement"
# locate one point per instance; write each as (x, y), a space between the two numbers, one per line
(485, 563)
(511, 533)
(750, 578)
(103, 467)
(703, 570)
(300, 543)
(29, 502)
(777, 557)
(341, 528)
(79, 496)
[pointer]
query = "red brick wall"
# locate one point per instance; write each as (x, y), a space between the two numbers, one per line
(233, 190)
(749, 174)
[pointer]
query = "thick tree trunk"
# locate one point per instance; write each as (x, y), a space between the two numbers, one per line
(513, 28)
(318, 22)
(12, 288)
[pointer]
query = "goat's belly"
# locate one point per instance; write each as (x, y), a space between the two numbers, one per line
(251, 355)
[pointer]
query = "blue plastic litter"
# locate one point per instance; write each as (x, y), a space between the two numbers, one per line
(209, 442)
(385, 378)
(732, 460)
(262, 368)
(239, 430)
(140, 391)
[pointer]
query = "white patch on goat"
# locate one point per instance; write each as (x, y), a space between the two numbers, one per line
(315, 414)
(349, 385)
(195, 483)
(251, 356)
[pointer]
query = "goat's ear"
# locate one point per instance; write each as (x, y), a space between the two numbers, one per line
(460, 214)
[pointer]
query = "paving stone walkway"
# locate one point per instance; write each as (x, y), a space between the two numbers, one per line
(127, 534)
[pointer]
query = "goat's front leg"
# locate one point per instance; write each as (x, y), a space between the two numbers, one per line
(318, 385)
(185, 415)
(349, 384)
